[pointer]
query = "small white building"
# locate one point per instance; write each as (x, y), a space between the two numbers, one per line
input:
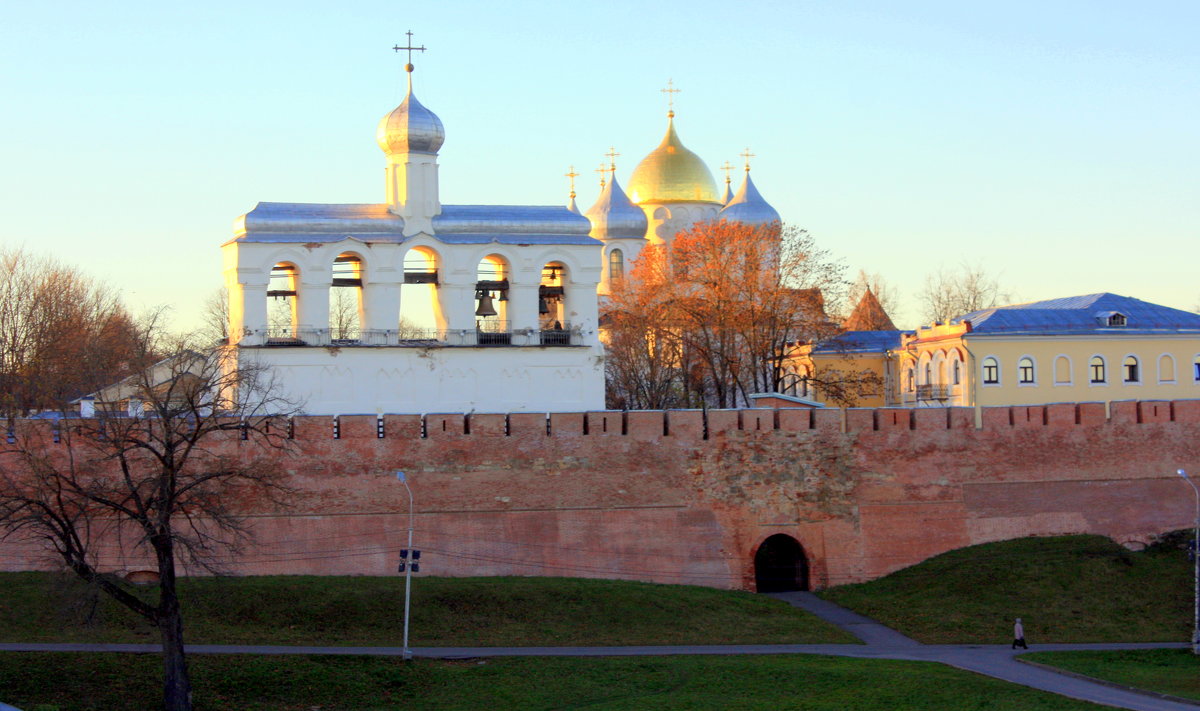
(413, 306)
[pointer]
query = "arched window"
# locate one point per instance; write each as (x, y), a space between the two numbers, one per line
(491, 302)
(1196, 369)
(957, 371)
(282, 304)
(1062, 370)
(1025, 371)
(616, 266)
(911, 376)
(991, 371)
(552, 305)
(928, 373)
(1166, 368)
(1130, 368)
(1096, 370)
(421, 317)
(345, 298)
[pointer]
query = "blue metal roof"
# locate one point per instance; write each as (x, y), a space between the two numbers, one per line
(861, 342)
(1082, 314)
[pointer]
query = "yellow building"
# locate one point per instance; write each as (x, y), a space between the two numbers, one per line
(1098, 347)
(856, 368)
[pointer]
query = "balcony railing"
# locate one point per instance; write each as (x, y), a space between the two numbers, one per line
(487, 333)
(935, 391)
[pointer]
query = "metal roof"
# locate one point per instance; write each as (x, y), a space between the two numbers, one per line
(861, 342)
(1082, 314)
(458, 224)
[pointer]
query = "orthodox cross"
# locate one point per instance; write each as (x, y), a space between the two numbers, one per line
(410, 49)
(670, 91)
(602, 170)
(747, 155)
(727, 167)
(572, 175)
(612, 162)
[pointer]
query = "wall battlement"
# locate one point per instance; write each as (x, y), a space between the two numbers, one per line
(706, 424)
(689, 495)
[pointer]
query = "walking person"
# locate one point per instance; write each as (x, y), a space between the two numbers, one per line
(1019, 635)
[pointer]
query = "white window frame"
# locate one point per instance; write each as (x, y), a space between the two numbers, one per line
(1033, 367)
(1070, 371)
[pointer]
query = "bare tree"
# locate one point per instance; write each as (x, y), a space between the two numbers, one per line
(950, 293)
(343, 312)
(709, 319)
(62, 335)
(162, 486)
(884, 292)
(214, 318)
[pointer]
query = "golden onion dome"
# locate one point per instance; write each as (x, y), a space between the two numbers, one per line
(672, 173)
(410, 127)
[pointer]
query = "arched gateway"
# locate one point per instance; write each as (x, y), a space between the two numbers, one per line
(780, 565)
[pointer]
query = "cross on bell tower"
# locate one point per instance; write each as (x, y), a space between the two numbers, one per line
(408, 67)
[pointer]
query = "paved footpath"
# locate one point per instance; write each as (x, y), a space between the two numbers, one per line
(879, 642)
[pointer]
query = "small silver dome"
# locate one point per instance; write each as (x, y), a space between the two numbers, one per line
(614, 216)
(748, 207)
(410, 128)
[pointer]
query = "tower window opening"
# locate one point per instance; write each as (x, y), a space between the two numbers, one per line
(345, 298)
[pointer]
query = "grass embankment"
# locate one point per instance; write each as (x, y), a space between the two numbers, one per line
(1066, 589)
(1166, 671)
(131, 683)
(475, 612)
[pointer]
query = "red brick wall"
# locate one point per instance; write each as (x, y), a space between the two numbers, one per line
(687, 495)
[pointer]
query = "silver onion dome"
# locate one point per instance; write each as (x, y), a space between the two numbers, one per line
(614, 216)
(749, 207)
(410, 128)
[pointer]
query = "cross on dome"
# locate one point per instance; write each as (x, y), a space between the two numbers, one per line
(571, 175)
(602, 170)
(612, 163)
(408, 67)
(727, 167)
(670, 91)
(747, 155)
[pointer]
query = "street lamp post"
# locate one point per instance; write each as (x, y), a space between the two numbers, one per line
(1195, 548)
(407, 654)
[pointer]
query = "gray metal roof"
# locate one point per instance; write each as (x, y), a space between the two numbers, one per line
(1080, 315)
(458, 224)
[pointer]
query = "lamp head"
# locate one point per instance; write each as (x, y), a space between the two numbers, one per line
(1181, 473)
(400, 475)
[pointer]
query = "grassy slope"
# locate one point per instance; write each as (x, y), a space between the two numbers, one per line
(1167, 671)
(37, 607)
(1066, 588)
(130, 683)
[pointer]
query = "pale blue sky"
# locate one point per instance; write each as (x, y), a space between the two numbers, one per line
(1054, 142)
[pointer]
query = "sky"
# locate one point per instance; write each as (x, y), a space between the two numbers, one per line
(1055, 144)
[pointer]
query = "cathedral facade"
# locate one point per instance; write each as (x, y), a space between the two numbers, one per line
(413, 306)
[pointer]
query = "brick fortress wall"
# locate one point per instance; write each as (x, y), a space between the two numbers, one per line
(688, 496)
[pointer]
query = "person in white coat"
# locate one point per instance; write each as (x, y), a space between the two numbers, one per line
(1019, 635)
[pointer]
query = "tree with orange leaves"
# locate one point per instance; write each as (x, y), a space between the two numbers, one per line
(707, 319)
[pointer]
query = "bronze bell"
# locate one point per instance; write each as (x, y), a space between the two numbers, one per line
(485, 305)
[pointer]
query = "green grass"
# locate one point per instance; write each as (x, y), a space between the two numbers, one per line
(1066, 589)
(41, 607)
(1166, 671)
(109, 682)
